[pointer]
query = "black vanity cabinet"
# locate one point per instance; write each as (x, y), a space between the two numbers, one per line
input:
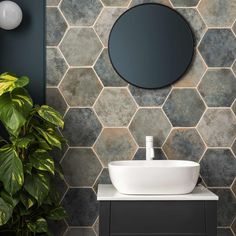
(126, 215)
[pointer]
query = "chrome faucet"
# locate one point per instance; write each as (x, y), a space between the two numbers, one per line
(149, 148)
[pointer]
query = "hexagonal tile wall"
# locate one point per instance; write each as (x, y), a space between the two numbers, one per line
(115, 107)
(80, 87)
(234, 147)
(184, 144)
(115, 144)
(55, 100)
(80, 231)
(147, 123)
(234, 68)
(81, 12)
(81, 46)
(226, 207)
(224, 232)
(106, 21)
(218, 88)
(218, 167)
(234, 107)
(233, 187)
(55, 25)
(82, 127)
(117, 3)
(218, 13)
(184, 107)
(52, 2)
(185, 3)
(81, 167)
(106, 72)
(57, 227)
(103, 178)
(81, 205)
(141, 154)
(194, 74)
(218, 47)
(136, 2)
(195, 21)
(56, 67)
(149, 97)
(218, 127)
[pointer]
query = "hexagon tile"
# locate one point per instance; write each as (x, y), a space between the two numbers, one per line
(117, 3)
(184, 144)
(136, 2)
(185, 3)
(80, 231)
(82, 12)
(80, 87)
(141, 154)
(115, 144)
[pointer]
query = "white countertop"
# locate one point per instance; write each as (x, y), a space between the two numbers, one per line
(107, 192)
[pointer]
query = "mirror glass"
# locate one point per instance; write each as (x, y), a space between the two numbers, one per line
(151, 46)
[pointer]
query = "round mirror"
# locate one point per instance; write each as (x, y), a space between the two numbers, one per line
(151, 46)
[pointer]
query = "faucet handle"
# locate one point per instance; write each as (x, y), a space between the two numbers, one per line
(149, 141)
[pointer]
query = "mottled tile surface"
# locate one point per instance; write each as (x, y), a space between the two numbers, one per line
(81, 205)
(218, 13)
(81, 127)
(195, 21)
(80, 87)
(52, 2)
(234, 107)
(234, 189)
(184, 3)
(224, 232)
(115, 107)
(81, 167)
(184, 107)
(226, 207)
(57, 227)
(81, 12)
(117, 3)
(218, 127)
(103, 178)
(136, 2)
(115, 144)
(149, 97)
(96, 226)
(55, 100)
(141, 154)
(80, 232)
(106, 21)
(55, 26)
(218, 167)
(56, 67)
(194, 74)
(81, 46)
(184, 144)
(106, 72)
(234, 147)
(218, 88)
(218, 47)
(150, 122)
(234, 67)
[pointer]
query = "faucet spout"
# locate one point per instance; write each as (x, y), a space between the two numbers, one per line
(149, 148)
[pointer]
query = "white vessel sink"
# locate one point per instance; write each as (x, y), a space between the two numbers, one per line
(154, 177)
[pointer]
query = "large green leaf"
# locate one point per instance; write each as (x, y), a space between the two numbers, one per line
(51, 115)
(5, 212)
(27, 200)
(14, 109)
(11, 167)
(25, 141)
(41, 160)
(39, 226)
(11, 200)
(9, 82)
(58, 213)
(37, 185)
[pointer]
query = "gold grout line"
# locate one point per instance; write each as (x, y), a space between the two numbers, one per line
(97, 178)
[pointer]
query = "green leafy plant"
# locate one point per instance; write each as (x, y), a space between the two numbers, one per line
(27, 196)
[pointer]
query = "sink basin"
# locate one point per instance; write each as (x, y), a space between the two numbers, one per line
(154, 177)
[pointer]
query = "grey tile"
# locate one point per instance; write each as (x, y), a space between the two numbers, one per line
(234, 147)
(96, 226)
(141, 154)
(57, 153)
(234, 28)
(105, 22)
(115, 107)
(226, 207)
(80, 232)
(106, 72)
(81, 167)
(150, 122)
(52, 2)
(234, 68)
(184, 3)
(148, 97)
(224, 232)
(117, 3)
(194, 74)
(137, 2)
(234, 107)
(218, 47)
(218, 13)
(80, 87)
(115, 144)
(55, 25)
(233, 187)
(81, 12)
(81, 206)
(194, 19)
(184, 107)
(55, 100)
(60, 186)
(103, 178)
(218, 88)
(56, 67)
(218, 167)
(81, 46)
(218, 127)
(58, 228)
(233, 227)
(184, 144)
(81, 127)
